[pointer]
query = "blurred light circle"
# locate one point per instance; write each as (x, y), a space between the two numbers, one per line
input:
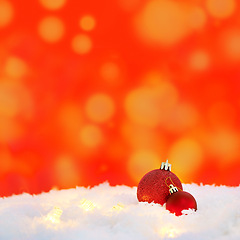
(91, 135)
(141, 162)
(142, 107)
(9, 102)
(230, 44)
(10, 130)
(150, 105)
(186, 156)
(141, 137)
(51, 29)
(199, 60)
(15, 100)
(154, 78)
(221, 8)
(87, 23)
(183, 116)
(15, 67)
(162, 21)
(224, 144)
(6, 13)
(53, 4)
(66, 173)
(128, 5)
(197, 18)
(100, 107)
(81, 44)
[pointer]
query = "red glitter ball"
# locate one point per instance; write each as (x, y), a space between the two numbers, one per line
(179, 201)
(153, 187)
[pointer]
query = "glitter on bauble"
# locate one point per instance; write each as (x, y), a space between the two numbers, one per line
(154, 186)
(179, 201)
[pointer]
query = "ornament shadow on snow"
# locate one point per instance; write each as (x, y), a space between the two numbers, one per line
(154, 187)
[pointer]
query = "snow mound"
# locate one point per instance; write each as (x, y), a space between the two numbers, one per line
(107, 213)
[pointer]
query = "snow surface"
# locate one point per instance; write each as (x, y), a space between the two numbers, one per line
(90, 214)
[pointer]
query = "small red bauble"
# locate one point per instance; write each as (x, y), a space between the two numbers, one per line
(153, 187)
(179, 201)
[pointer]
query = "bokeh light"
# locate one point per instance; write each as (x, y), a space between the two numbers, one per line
(197, 18)
(66, 173)
(53, 4)
(162, 21)
(128, 5)
(221, 8)
(81, 44)
(184, 116)
(9, 130)
(100, 108)
(6, 13)
(51, 29)
(9, 104)
(224, 144)
(93, 92)
(150, 105)
(186, 155)
(141, 162)
(199, 60)
(87, 23)
(230, 44)
(15, 67)
(91, 136)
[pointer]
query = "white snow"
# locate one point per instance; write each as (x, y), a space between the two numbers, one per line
(113, 213)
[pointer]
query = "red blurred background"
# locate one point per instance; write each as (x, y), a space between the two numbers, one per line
(94, 91)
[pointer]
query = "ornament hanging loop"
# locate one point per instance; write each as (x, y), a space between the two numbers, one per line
(171, 184)
(166, 166)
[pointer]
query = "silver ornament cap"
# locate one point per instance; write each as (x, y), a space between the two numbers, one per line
(166, 166)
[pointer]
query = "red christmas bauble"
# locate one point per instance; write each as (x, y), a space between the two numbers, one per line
(179, 201)
(153, 187)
